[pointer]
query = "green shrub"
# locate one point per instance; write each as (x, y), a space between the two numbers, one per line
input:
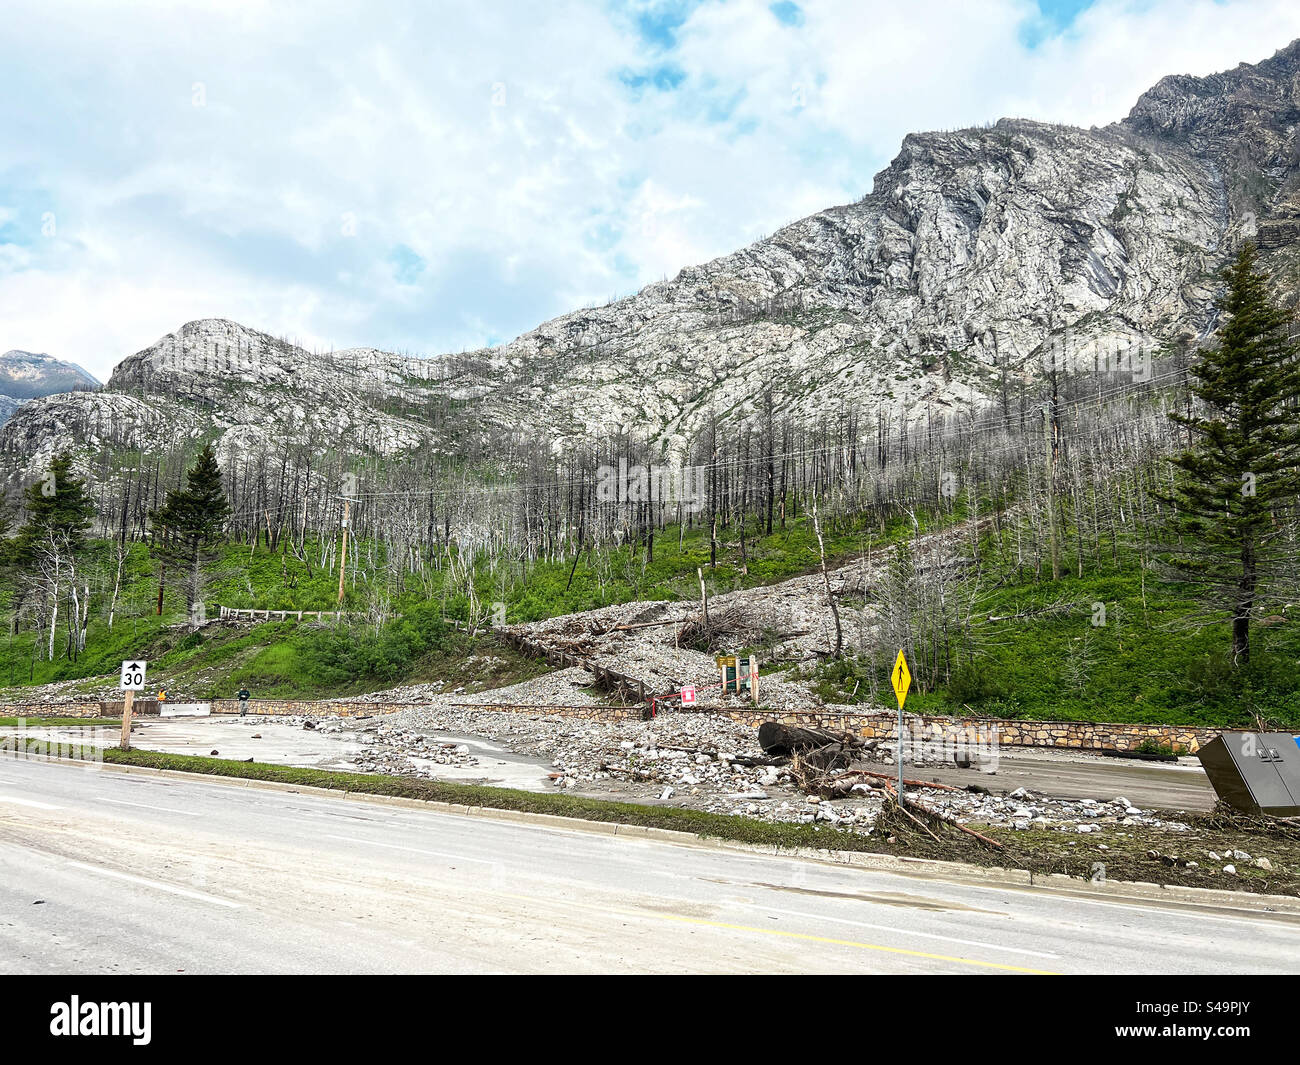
(973, 683)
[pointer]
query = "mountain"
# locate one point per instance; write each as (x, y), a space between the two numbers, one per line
(27, 375)
(976, 252)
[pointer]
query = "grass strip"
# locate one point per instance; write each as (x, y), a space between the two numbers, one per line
(700, 822)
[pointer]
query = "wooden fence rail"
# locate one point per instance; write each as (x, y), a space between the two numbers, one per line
(230, 613)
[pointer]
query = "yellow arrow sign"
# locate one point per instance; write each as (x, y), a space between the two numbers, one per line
(901, 678)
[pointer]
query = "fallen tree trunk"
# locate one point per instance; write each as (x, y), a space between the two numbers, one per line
(647, 624)
(760, 760)
(778, 739)
(907, 781)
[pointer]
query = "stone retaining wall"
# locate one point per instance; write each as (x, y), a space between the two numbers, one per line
(1071, 735)
(52, 710)
(1074, 735)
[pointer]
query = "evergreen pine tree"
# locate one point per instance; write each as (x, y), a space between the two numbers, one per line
(192, 522)
(1243, 465)
(57, 507)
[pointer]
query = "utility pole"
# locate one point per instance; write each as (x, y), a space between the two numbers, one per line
(1049, 439)
(343, 558)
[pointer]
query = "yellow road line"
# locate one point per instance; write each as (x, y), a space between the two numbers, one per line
(852, 943)
(792, 935)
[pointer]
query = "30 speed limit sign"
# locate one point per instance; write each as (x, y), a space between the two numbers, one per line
(133, 675)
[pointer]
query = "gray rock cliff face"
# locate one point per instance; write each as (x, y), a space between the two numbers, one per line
(975, 252)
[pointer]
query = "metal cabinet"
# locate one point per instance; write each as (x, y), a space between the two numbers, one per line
(1255, 772)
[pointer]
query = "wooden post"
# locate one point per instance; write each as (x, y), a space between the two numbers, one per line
(343, 560)
(126, 719)
(753, 678)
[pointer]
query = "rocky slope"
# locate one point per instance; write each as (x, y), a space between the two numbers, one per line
(976, 252)
(26, 375)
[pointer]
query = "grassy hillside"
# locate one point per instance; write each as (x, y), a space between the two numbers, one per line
(1034, 649)
(288, 658)
(1150, 662)
(282, 659)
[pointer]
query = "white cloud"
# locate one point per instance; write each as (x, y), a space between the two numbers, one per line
(500, 144)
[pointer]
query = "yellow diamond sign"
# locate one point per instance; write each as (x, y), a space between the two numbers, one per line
(901, 678)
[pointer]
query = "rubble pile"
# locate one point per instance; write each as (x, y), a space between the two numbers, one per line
(1023, 810)
(660, 643)
(668, 645)
(589, 747)
(715, 764)
(407, 756)
(562, 687)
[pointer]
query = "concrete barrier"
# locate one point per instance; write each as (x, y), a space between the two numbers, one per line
(185, 710)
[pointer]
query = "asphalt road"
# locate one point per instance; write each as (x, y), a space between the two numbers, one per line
(104, 872)
(1180, 785)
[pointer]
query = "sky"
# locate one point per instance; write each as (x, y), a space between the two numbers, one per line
(429, 177)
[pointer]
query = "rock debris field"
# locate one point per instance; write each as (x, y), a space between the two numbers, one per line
(696, 761)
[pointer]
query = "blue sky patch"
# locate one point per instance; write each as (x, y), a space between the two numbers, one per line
(1055, 17)
(407, 266)
(658, 25)
(665, 78)
(787, 13)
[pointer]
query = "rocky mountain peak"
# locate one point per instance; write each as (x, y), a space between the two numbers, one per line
(975, 250)
(1245, 123)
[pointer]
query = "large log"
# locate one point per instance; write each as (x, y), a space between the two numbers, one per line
(778, 739)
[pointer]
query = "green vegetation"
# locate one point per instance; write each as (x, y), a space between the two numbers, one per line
(58, 514)
(189, 525)
(1153, 659)
(291, 659)
(285, 659)
(1244, 465)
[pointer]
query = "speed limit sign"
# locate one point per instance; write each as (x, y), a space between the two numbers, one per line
(133, 675)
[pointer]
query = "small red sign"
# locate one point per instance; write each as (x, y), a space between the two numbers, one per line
(688, 697)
